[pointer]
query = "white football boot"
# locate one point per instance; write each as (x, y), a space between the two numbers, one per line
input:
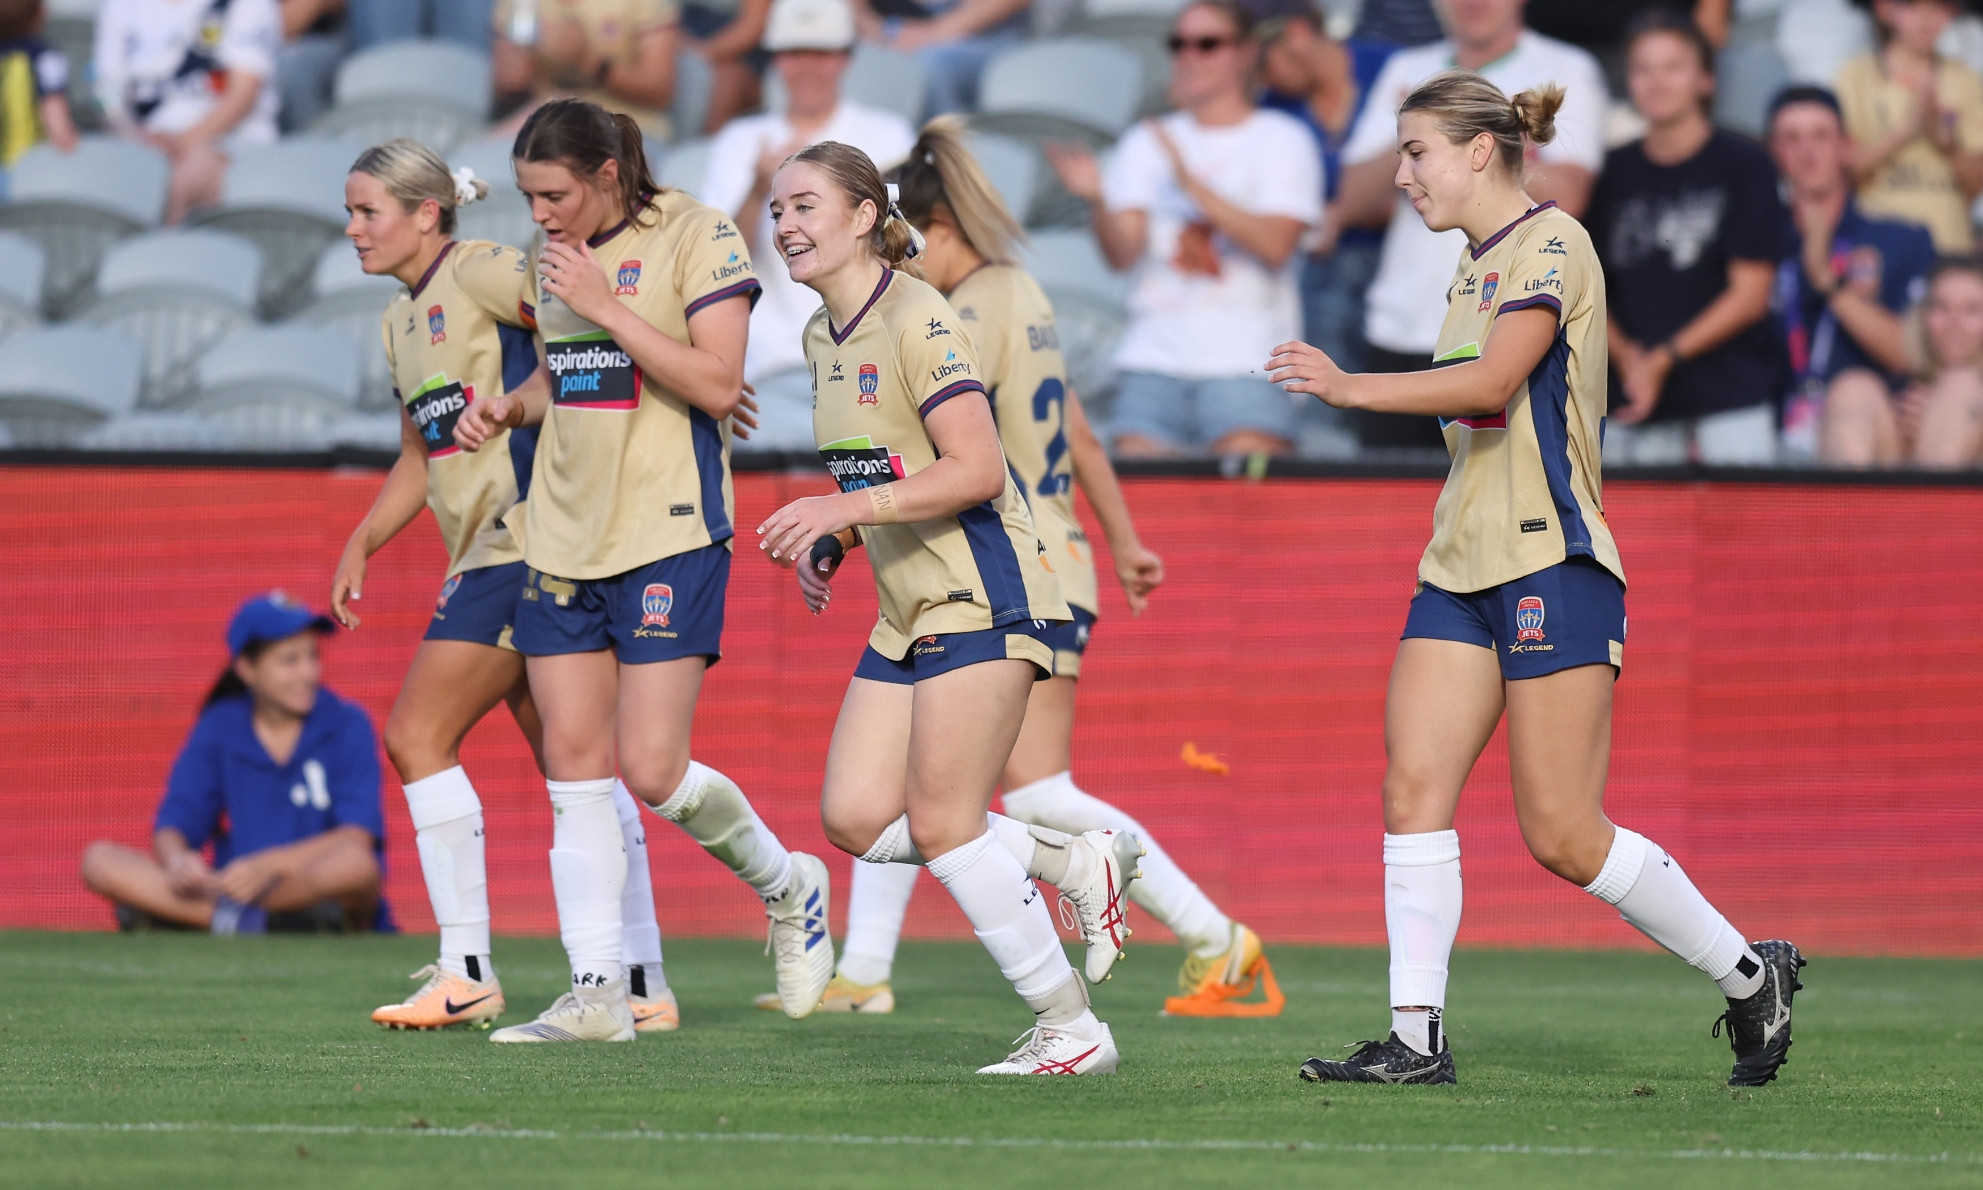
(801, 948)
(591, 1014)
(1095, 904)
(1044, 1049)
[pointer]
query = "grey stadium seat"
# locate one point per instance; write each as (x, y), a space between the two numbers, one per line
(57, 383)
(1747, 77)
(366, 431)
(77, 204)
(504, 216)
(691, 102)
(288, 197)
(1067, 260)
(1015, 168)
(23, 263)
(1074, 88)
(877, 77)
(350, 302)
(436, 123)
(1089, 328)
(177, 293)
(279, 388)
(160, 429)
(686, 165)
(425, 67)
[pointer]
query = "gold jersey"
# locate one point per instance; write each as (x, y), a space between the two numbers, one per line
(459, 334)
(1523, 493)
(1011, 323)
(628, 472)
(1917, 183)
(873, 383)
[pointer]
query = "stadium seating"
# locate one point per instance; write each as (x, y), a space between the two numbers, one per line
(177, 293)
(350, 302)
(23, 263)
(685, 165)
(433, 91)
(1074, 88)
(279, 387)
(503, 216)
(1748, 75)
(160, 429)
(56, 383)
(878, 77)
(1015, 168)
(77, 204)
(288, 198)
(691, 102)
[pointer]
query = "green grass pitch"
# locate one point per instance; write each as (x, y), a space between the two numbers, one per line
(164, 1061)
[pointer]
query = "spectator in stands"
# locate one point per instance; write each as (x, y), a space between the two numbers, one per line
(810, 43)
(1407, 302)
(375, 22)
(193, 79)
(281, 777)
(1323, 82)
(1846, 282)
(1398, 22)
(1938, 421)
(619, 54)
(1689, 229)
(953, 39)
(34, 82)
(1916, 121)
(1209, 205)
(727, 36)
(313, 43)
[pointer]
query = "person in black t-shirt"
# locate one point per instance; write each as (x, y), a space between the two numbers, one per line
(1689, 228)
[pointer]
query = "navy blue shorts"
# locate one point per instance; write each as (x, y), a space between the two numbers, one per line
(662, 611)
(478, 606)
(933, 655)
(1069, 640)
(1571, 614)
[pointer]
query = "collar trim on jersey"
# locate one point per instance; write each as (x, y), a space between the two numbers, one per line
(433, 268)
(840, 337)
(980, 267)
(608, 234)
(1496, 238)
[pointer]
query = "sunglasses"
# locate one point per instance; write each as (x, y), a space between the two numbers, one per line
(1204, 45)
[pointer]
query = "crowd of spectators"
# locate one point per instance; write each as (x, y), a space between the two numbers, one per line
(1796, 291)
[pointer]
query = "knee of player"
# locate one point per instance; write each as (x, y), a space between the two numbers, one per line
(412, 749)
(654, 776)
(1574, 853)
(851, 831)
(934, 835)
(1415, 802)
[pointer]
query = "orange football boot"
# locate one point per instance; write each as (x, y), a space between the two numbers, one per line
(444, 999)
(1220, 985)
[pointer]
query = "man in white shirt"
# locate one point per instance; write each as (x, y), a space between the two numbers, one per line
(810, 42)
(1407, 301)
(1208, 206)
(192, 78)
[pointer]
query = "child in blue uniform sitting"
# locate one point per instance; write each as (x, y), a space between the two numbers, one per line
(281, 776)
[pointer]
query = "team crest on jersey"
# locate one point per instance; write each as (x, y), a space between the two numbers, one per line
(870, 384)
(655, 604)
(447, 592)
(1528, 618)
(1488, 285)
(437, 325)
(629, 282)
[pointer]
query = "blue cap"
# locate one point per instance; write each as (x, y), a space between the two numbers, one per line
(272, 616)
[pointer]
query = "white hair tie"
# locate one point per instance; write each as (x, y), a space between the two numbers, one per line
(916, 241)
(464, 186)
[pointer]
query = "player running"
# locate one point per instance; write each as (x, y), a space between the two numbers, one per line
(967, 597)
(1520, 604)
(969, 239)
(642, 301)
(455, 333)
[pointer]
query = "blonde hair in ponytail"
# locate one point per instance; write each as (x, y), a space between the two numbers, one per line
(941, 174)
(891, 238)
(1467, 105)
(413, 173)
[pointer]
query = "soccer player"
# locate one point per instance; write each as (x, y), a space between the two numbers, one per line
(967, 595)
(458, 332)
(1520, 604)
(642, 301)
(969, 238)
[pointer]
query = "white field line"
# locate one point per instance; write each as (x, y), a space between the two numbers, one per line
(992, 1142)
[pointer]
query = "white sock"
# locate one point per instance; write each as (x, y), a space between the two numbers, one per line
(876, 902)
(1010, 917)
(1419, 1028)
(447, 830)
(1163, 890)
(1422, 916)
(640, 932)
(588, 873)
(1655, 896)
(715, 813)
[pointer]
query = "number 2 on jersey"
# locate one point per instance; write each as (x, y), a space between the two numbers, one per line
(1050, 401)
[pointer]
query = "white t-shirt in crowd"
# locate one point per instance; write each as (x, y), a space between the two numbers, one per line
(1200, 322)
(143, 70)
(1406, 303)
(778, 324)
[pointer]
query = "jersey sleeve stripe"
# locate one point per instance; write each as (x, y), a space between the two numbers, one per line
(528, 313)
(1540, 299)
(1549, 411)
(748, 285)
(948, 391)
(711, 469)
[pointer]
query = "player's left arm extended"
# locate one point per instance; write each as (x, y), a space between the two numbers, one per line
(1476, 388)
(969, 470)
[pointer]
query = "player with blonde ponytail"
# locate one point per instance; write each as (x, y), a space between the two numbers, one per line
(969, 255)
(969, 604)
(1520, 607)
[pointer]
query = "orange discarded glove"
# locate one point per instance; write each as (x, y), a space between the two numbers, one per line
(1204, 762)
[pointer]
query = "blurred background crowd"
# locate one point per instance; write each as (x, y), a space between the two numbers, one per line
(1784, 194)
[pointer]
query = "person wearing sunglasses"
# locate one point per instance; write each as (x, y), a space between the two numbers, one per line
(1208, 206)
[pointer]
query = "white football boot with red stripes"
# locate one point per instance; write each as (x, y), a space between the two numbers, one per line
(1096, 899)
(1044, 1049)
